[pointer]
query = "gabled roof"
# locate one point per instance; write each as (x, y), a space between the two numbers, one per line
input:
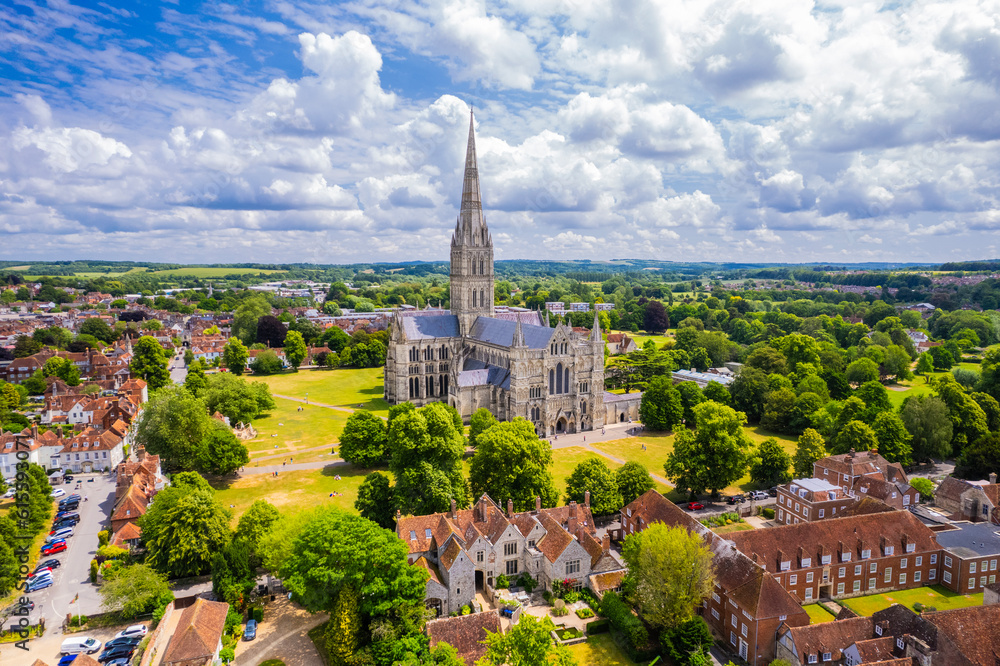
(974, 631)
(198, 633)
(833, 637)
(424, 327)
(465, 633)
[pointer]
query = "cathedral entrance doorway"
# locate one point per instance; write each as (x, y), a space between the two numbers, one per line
(561, 425)
(621, 418)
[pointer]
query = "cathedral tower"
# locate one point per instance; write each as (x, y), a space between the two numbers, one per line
(471, 250)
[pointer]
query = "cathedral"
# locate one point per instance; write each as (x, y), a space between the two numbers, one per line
(505, 359)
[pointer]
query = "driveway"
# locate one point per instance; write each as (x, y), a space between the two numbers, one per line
(282, 635)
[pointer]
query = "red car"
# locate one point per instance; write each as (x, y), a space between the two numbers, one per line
(694, 506)
(53, 548)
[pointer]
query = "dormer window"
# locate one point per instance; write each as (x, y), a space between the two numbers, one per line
(413, 535)
(427, 533)
(878, 630)
(785, 566)
(865, 554)
(889, 550)
(825, 559)
(806, 562)
(910, 547)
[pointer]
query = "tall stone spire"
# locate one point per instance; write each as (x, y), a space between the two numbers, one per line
(518, 333)
(595, 332)
(471, 248)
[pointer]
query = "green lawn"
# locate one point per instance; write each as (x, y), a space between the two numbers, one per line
(935, 595)
(900, 391)
(344, 387)
(599, 650)
(640, 338)
(735, 527)
(287, 430)
(292, 492)
(818, 614)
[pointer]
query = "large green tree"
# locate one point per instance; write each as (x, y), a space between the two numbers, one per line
(670, 572)
(376, 500)
(512, 463)
(363, 441)
(749, 390)
(149, 362)
(195, 380)
(980, 458)
(99, 329)
(235, 355)
(235, 397)
(634, 481)
(712, 456)
(481, 421)
(770, 464)
(528, 643)
(184, 528)
(893, 438)
(593, 475)
(855, 435)
(425, 457)
(134, 590)
(861, 371)
(295, 349)
(221, 451)
(256, 524)
(661, 407)
(173, 425)
(808, 450)
(246, 316)
(968, 420)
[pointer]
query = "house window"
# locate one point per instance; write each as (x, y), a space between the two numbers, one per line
(809, 593)
(916, 576)
(982, 580)
(732, 638)
(531, 543)
(809, 577)
(793, 579)
(910, 547)
(972, 567)
(826, 656)
(878, 630)
(840, 588)
(902, 563)
(715, 614)
(511, 567)
(857, 569)
(812, 659)
(865, 554)
(899, 643)
(857, 586)
(871, 583)
(889, 550)
(743, 630)
(873, 568)
(972, 583)
(480, 555)
(888, 574)
(932, 575)
(902, 579)
(734, 622)
(427, 533)
(842, 572)
(572, 567)
(510, 548)
(919, 561)
(947, 576)
(413, 535)
(934, 559)
(947, 561)
(715, 597)
(805, 511)
(821, 512)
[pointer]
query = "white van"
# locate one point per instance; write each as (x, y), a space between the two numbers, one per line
(79, 645)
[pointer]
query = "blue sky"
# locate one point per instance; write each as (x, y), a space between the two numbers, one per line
(729, 130)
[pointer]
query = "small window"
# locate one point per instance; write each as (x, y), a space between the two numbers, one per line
(878, 630)
(812, 659)
(972, 567)
(793, 579)
(572, 567)
(916, 576)
(899, 643)
(947, 561)
(427, 533)
(826, 656)
(932, 575)
(479, 556)
(934, 559)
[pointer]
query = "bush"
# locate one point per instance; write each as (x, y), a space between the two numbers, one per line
(571, 597)
(102, 537)
(767, 512)
(233, 619)
(590, 599)
(77, 620)
(919, 607)
(598, 627)
(630, 628)
(559, 612)
(584, 613)
(547, 596)
(257, 613)
(527, 582)
(466, 610)
(93, 571)
(502, 582)
(227, 655)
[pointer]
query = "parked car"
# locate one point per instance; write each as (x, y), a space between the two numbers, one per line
(695, 506)
(49, 564)
(10, 493)
(60, 534)
(39, 585)
(79, 645)
(74, 496)
(26, 607)
(250, 632)
(58, 492)
(68, 659)
(68, 478)
(69, 506)
(759, 495)
(68, 514)
(772, 491)
(134, 630)
(53, 548)
(39, 571)
(119, 652)
(736, 499)
(63, 524)
(125, 640)
(121, 661)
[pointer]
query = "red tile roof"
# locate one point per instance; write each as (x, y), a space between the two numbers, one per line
(465, 633)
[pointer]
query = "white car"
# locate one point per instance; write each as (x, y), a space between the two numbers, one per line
(58, 492)
(134, 630)
(759, 495)
(64, 533)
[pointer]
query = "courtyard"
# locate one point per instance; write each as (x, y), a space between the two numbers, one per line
(934, 596)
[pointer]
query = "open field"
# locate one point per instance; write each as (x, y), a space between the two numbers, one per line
(564, 461)
(599, 650)
(919, 385)
(343, 387)
(935, 595)
(640, 338)
(818, 614)
(212, 272)
(292, 492)
(289, 431)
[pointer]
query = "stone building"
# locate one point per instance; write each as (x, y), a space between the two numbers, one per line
(504, 359)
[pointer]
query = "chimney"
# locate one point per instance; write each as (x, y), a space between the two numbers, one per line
(756, 560)
(510, 508)
(398, 516)
(872, 453)
(586, 498)
(572, 509)
(454, 512)
(850, 454)
(571, 521)
(993, 477)
(802, 555)
(538, 505)
(606, 542)
(34, 433)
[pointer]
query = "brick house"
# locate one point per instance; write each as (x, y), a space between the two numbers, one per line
(747, 606)
(466, 550)
(92, 450)
(844, 557)
(971, 551)
(969, 500)
(805, 500)
(844, 469)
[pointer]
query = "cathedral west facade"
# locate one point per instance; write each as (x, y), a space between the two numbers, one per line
(507, 360)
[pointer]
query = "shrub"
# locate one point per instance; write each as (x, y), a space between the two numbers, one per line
(547, 596)
(625, 622)
(466, 610)
(233, 619)
(559, 612)
(527, 582)
(919, 607)
(77, 620)
(571, 597)
(227, 655)
(102, 538)
(590, 599)
(257, 613)
(584, 613)
(502, 582)
(93, 571)
(598, 627)
(767, 512)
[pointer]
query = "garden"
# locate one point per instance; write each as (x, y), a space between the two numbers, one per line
(933, 597)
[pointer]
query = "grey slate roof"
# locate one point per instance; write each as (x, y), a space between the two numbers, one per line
(476, 373)
(621, 397)
(500, 332)
(430, 326)
(971, 539)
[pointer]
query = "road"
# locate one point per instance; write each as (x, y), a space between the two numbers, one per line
(178, 371)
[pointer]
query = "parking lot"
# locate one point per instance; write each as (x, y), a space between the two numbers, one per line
(720, 506)
(72, 578)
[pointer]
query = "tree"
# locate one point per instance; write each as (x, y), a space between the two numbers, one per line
(246, 316)
(376, 501)
(235, 355)
(9, 567)
(749, 390)
(343, 631)
(809, 449)
(256, 524)
(688, 643)
(690, 397)
(855, 435)
(183, 529)
(173, 425)
(779, 410)
(528, 643)
(335, 549)
(99, 329)
(425, 457)
(661, 407)
(195, 381)
(134, 590)
(770, 464)
(979, 458)
(861, 371)
(670, 571)
(236, 398)
(266, 363)
(991, 408)
(634, 481)
(942, 358)
(717, 392)
(481, 421)
(336, 339)
(968, 420)
(925, 364)
(363, 441)
(923, 486)
(512, 463)
(271, 331)
(893, 438)
(221, 452)
(768, 359)
(295, 349)
(233, 576)
(897, 362)
(25, 346)
(655, 319)
(594, 475)
(714, 455)
(35, 384)
(149, 363)
(875, 397)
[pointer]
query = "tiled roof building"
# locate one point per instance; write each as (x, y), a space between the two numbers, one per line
(465, 633)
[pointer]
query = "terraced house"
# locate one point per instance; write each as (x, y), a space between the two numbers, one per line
(465, 550)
